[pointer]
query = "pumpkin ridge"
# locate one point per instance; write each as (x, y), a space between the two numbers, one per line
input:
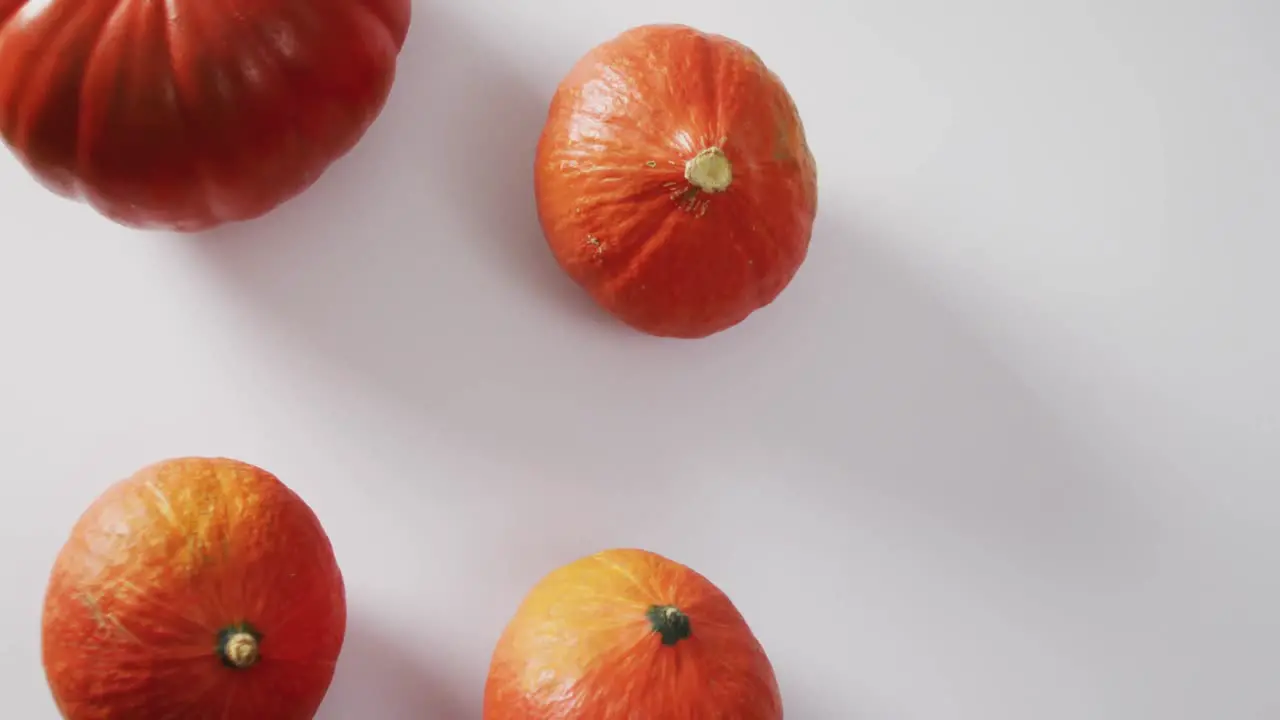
(621, 242)
(130, 594)
(646, 250)
(612, 117)
(134, 23)
(359, 19)
(8, 10)
(47, 67)
(606, 108)
(189, 96)
(277, 77)
(183, 114)
(680, 222)
(618, 568)
(725, 79)
(397, 27)
(714, 60)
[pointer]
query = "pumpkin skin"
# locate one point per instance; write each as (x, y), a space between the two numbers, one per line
(629, 635)
(674, 181)
(188, 114)
(197, 589)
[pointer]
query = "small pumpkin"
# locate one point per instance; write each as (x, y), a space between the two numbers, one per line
(627, 634)
(188, 114)
(674, 181)
(197, 589)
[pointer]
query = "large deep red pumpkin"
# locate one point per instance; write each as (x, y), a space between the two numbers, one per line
(674, 181)
(198, 589)
(629, 635)
(185, 114)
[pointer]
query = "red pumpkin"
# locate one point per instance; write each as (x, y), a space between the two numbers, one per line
(629, 635)
(674, 182)
(192, 113)
(195, 590)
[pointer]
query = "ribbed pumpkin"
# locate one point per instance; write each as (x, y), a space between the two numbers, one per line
(190, 113)
(197, 589)
(629, 635)
(674, 181)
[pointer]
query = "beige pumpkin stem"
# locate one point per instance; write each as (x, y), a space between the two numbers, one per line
(709, 171)
(241, 650)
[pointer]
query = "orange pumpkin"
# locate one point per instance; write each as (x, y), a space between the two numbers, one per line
(674, 182)
(187, 115)
(629, 635)
(198, 589)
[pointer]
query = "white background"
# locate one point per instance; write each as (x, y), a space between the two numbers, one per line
(1006, 449)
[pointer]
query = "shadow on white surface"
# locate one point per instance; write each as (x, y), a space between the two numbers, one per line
(378, 677)
(862, 394)
(421, 267)
(917, 407)
(457, 138)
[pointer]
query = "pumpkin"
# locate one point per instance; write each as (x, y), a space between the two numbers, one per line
(628, 634)
(674, 182)
(191, 113)
(197, 589)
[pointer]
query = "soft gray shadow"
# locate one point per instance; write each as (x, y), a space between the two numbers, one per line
(365, 246)
(417, 264)
(378, 677)
(907, 401)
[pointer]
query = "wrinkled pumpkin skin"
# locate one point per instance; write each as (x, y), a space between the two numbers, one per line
(674, 181)
(627, 634)
(191, 113)
(175, 575)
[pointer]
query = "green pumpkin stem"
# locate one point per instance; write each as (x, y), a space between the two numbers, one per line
(670, 623)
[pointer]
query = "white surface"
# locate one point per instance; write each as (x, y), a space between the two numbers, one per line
(1006, 448)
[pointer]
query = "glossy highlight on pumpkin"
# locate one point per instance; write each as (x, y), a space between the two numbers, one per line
(187, 114)
(674, 181)
(626, 634)
(197, 589)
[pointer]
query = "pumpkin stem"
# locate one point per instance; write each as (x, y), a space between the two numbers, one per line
(238, 647)
(670, 623)
(709, 170)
